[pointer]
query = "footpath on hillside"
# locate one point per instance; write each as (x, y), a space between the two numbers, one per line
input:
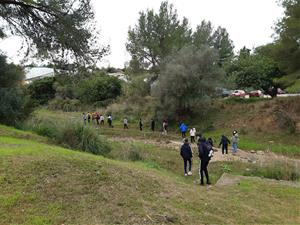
(255, 157)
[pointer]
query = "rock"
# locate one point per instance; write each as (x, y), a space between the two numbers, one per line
(247, 169)
(253, 162)
(260, 153)
(253, 151)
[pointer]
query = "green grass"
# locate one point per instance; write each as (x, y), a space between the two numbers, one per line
(45, 184)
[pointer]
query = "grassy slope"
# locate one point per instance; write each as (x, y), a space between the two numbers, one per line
(44, 184)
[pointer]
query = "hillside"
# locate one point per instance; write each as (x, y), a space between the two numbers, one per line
(46, 184)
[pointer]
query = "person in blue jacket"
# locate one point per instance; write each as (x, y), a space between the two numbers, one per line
(183, 129)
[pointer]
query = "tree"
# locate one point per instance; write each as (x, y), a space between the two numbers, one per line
(157, 35)
(99, 88)
(60, 30)
(287, 48)
(187, 77)
(253, 71)
(14, 103)
(42, 90)
(218, 39)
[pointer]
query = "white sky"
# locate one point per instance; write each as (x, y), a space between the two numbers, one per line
(249, 22)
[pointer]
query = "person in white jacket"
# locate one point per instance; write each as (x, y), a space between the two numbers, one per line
(193, 135)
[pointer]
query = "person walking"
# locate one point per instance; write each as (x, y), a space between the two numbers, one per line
(183, 129)
(89, 117)
(141, 124)
(97, 118)
(193, 135)
(125, 121)
(152, 125)
(187, 155)
(84, 118)
(234, 139)
(224, 142)
(165, 127)
(101, 119)
(109, 121)
(203, 152)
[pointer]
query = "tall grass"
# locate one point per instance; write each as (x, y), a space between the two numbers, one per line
(69, 134)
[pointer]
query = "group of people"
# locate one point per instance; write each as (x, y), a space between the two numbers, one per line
(205, 153)
(97, 117)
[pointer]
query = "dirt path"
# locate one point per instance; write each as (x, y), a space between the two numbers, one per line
(255, 157)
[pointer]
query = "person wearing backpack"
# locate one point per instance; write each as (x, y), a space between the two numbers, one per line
(187, 155)
(109, 121)
(205, 154)
(224, 142)
(89, 117)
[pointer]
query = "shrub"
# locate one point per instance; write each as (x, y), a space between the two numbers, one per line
(284, 121)
(42, 90)
(71, 135)
(134, 155)
(98, 88)
(66, 105)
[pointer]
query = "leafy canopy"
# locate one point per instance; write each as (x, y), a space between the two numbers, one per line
(60, 30)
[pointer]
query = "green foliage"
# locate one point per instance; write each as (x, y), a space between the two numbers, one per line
(42, 90)
(253, 71)
(100, 88)
(60, 30)
(287, 47)
(187, 77)
(68, 134)
(157, 35)
(66, 105)
(15, 105)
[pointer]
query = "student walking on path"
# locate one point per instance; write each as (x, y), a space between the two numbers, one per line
(183, 128)
(193, 135)
(141, 124)
(187, 155)
(152, 125)
(101, 120)
(84, 118)
(125, 123)
(235, 140)
(224, 142)
(165, 127)
(109, 121)
(203, 152)
(89, 117)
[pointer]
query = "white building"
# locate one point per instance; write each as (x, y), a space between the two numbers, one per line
(35, 73)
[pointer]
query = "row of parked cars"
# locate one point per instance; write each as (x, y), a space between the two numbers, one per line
(243, 94)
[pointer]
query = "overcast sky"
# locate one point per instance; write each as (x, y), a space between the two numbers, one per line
(249, 22)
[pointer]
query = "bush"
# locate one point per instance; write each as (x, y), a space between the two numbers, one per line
(134, 155)
(284, 121)
(71, 135)
(42, 90)
(98, 88)
(66, 105)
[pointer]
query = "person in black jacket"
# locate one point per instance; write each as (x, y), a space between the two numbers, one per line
(186, 154)
(204, 160)
(224, 142)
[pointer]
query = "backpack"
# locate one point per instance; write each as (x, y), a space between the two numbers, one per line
(210, 150)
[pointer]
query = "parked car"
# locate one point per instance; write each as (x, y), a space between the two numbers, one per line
(256, 93)
(238, 93)
(226, 93)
